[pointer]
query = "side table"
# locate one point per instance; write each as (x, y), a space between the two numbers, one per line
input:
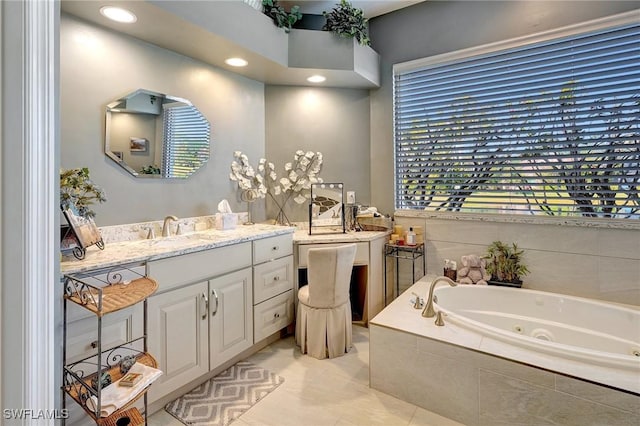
(397, 252)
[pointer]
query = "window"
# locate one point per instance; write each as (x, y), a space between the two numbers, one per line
(186, 139)
(544, 126)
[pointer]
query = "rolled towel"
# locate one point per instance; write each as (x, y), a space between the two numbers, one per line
(115, 396)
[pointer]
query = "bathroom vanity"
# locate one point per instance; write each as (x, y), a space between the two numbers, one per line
(222, 295)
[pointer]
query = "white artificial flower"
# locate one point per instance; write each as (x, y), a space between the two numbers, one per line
(288, 167)
(276, 190)
(300, 199)
(286, 184)
(309, 154)
(305, 161)
(293, 176)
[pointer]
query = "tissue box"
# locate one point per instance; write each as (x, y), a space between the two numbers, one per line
(226, 221)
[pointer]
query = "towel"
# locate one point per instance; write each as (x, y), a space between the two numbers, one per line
(115, 396)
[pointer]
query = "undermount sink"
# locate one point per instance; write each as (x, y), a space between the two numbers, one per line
(177, 240)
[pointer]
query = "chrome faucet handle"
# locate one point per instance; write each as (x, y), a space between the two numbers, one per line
(419, 302)
(151, 234)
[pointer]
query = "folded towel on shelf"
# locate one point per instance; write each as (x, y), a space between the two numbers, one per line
(115, 396)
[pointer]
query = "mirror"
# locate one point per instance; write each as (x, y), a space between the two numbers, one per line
(153, 135)
(326, 210)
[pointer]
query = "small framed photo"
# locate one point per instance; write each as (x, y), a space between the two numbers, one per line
(85, 229)
(138, 144)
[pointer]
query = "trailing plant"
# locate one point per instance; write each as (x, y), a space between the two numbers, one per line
(348, 21)
(150, 170)
(77, 190)
(281, 17)
(504, 262)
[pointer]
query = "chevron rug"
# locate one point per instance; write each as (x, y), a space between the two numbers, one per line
(222, 399)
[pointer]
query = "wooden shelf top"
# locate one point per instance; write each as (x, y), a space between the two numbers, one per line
(113, 297)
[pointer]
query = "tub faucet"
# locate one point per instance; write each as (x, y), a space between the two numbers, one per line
(428, 309)
(166, 227)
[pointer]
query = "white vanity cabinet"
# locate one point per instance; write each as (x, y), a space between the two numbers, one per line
(230, 316)
(202, 315)
(178, 334)
(273, 283)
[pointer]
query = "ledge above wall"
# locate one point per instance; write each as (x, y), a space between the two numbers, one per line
(214, 31)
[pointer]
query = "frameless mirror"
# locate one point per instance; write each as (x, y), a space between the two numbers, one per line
(153, 135)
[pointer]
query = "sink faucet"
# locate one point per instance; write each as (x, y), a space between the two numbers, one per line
(428, 309)
(166, 227)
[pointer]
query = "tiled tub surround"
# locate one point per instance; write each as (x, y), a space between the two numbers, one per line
(597, 259)
(477, 380)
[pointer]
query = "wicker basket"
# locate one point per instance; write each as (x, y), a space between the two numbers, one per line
(368, 223)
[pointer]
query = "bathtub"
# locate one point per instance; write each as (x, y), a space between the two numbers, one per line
(571, 328)
(509, 356)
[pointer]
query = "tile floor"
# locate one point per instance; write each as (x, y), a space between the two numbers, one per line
(323, 392)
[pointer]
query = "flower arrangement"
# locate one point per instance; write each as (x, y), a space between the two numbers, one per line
(295, 184)
(77, 190)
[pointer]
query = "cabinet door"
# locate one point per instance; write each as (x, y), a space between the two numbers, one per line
(177, 330)
(231, 316)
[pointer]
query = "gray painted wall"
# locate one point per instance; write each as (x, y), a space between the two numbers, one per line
(332, 121)
(435, 27)
(98, 66)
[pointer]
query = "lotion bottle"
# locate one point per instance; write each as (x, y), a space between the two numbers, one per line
(411, 237)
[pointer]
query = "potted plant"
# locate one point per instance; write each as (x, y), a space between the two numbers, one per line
(504, 263)
(77, 190)
(281, 17)
(348, 21)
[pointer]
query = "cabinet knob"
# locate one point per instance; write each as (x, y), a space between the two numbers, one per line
(276, 278)
(274, 248)
(94, 344)
(276, 315)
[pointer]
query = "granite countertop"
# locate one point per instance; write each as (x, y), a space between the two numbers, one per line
(120, 253)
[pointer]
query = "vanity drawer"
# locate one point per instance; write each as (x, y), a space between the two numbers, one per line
(362, 252)
(272, 248)
(117, 328)
(272, 315)
(272, 278)
(190, 268)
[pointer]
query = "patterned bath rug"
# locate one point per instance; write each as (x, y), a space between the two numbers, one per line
(222, 399)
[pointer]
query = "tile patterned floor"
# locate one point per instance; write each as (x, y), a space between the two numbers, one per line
(331, 392)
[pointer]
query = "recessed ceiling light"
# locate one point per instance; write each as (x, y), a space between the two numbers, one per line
(316, 79)
(236, 62)
(118, 14)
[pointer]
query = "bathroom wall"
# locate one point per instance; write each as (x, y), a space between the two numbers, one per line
(332, 121)
(434, 27)
(587, 261)
(98, 66)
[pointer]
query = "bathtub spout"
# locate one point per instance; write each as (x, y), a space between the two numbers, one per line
(428, 311)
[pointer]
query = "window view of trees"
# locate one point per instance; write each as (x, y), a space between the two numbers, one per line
(543, 145)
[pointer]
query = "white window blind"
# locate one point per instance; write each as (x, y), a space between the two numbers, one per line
(551, 127)
(186, 138)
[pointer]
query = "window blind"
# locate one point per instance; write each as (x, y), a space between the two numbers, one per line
(186, 136)
(551, 127)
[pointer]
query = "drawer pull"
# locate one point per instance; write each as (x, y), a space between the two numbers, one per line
(276, 278)
(203, 297)
(276, 315)
(94, 344)
(215, 311)
(274, 248)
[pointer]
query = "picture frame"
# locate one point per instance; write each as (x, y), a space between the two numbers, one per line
(138, 144)
(82, 233)
(327, 209)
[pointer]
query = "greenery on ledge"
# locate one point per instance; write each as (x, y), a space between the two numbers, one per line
(348, 21)
(281, 17)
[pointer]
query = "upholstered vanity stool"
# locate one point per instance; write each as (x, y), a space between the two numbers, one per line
(323, 324)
